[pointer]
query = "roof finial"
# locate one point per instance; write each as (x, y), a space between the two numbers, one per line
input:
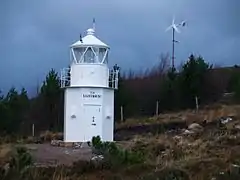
(81, 38)
(94, 24)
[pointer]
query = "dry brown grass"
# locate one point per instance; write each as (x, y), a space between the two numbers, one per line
(199, 156)
(209, 113)
(6, 151)
(48, 136)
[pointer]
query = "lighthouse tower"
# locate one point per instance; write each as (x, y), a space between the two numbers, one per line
(89, 91)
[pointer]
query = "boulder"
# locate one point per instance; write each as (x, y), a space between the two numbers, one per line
(195, 127)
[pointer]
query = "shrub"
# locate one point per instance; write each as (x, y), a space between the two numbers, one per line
(114, 156)
(18, 164)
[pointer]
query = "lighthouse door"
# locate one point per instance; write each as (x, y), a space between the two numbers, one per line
(93, 120)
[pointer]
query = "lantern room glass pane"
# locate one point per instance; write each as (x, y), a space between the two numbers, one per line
(96, 51)
(101, 54)
(89, 56)
(78, 52)
(106, 59)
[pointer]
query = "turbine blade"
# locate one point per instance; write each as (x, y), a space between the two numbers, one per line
(173, 20)
(175, 28)
(170, 27)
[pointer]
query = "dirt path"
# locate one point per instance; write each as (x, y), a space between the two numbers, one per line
(46, 154)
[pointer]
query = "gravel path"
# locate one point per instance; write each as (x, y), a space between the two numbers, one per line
(46, 154)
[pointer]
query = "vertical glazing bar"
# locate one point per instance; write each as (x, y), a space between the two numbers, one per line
(116, 80)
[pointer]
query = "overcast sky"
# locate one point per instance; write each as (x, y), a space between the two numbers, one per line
(35, 35)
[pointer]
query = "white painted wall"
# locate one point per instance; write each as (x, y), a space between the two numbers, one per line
(86, 110)
(90, 75)
(108, 115)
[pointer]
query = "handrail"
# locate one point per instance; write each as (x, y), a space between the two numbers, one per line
(65, 78)
(113, 79)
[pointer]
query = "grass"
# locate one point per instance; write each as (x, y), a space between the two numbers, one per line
(215, 152)
(209, 113)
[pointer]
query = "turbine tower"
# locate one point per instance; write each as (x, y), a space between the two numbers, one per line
(174, 28)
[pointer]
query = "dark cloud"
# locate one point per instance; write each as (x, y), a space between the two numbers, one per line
(35, 35)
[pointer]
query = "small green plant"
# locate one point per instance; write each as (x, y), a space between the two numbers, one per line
(19, 163)
(22, 159)
(115, 155)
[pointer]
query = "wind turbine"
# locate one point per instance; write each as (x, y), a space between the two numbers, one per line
(174, 28)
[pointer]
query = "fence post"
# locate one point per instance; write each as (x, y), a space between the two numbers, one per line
(196, 101)
(33, 130)
(157, 108)
(122, 114)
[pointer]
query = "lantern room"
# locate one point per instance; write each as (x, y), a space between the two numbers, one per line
(89, 50)
(89, 62)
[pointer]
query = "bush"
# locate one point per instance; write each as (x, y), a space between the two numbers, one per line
(18, 164)
(114, 156)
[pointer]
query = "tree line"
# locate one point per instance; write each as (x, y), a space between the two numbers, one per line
(174, 89)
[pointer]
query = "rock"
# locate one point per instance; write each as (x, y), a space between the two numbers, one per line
(235, 169)
(188, 132)
(55, 142)
(177, 137)
(97, 157)
(195, 127)
(77, 145)
(225, 120)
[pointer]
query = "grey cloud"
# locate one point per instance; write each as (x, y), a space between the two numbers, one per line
(35, 35)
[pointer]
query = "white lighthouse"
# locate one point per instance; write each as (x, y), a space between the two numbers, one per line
(89, 91)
